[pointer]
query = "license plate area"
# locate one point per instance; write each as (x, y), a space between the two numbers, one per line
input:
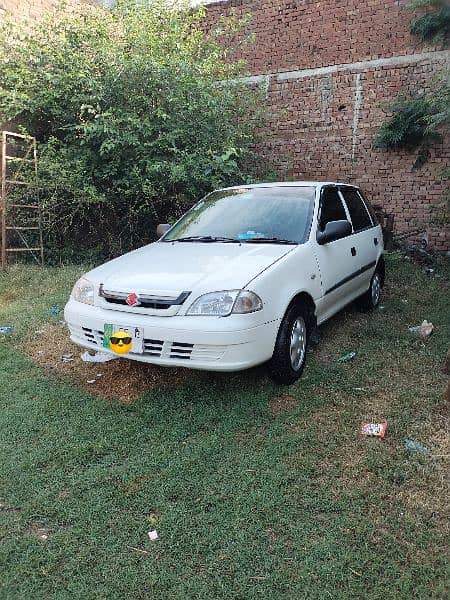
(135, 333)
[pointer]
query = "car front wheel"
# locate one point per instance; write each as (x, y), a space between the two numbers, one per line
(289, 356)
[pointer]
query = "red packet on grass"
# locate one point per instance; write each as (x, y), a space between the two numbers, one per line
(374, 429)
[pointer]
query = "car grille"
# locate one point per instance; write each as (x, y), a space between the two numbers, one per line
(165, 349)
(145, 301)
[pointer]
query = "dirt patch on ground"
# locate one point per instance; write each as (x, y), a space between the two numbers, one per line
(282, 404)
(121, 379)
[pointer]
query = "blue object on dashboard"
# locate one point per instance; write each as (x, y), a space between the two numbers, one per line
(248, 235)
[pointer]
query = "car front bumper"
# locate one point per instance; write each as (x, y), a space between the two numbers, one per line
(207, 343)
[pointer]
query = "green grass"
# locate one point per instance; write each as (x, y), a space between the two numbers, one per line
(246, 504)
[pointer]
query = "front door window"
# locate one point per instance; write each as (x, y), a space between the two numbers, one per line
(331, 208)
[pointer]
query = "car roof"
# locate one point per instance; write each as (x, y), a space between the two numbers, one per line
(287, 184)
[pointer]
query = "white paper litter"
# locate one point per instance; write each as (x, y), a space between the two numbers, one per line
(153, 535)
(424, 330)
(98, 357)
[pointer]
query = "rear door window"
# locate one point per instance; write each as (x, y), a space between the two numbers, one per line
(357, 209)
(331, 207)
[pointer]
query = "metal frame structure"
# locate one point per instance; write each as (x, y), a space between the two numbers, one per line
(6, 208)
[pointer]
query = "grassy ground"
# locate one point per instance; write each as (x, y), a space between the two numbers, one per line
(255, 491)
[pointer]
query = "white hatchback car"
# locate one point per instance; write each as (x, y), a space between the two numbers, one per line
(241, 279)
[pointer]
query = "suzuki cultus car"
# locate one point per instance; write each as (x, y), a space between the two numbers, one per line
(242, 279)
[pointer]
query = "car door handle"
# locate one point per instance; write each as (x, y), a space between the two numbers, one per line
(353, 251)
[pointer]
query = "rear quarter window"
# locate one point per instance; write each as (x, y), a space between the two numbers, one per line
(369, 208)
(356, 207)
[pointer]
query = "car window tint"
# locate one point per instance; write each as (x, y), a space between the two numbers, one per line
(282, 212)
(369, 208)
(332, 208)
(357, 209)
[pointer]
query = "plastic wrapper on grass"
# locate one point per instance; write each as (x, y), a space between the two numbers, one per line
(374, 429)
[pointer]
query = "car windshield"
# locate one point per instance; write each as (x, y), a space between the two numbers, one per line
(261, 214)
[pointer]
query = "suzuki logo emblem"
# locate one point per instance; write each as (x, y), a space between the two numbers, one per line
(133, 300)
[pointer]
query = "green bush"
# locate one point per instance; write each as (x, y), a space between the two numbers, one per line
(407, 127)
(417, 120)
(131, 122)
(433, 25)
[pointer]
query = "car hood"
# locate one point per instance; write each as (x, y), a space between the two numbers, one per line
(168, 268)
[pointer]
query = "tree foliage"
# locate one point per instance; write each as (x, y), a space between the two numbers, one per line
(416, 121)
(434, 24)
(131, 121)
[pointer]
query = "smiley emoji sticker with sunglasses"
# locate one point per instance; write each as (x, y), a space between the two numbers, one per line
(120, 342)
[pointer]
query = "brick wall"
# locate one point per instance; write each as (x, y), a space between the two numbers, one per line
(328, 67)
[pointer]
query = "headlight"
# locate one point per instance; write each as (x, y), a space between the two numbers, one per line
(83, 291)
(222, 304)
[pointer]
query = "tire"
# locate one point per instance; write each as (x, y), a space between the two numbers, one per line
(371, 299)
(289, 356)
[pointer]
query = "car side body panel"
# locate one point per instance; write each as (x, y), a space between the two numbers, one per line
(297, 272)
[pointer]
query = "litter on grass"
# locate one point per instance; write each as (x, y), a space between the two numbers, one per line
(42, 533)
(98, 357)
(374, 429)
(6, 330)
(55, 310)
(347, 356)
(67, 358)
(153, 535)
(414, 446)
(423, 330)
(91, 381)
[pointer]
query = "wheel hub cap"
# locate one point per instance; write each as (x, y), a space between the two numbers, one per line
(298, 343)
(376, 289)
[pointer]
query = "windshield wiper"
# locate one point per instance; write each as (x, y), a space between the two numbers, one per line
(273, 240)
(205, 238)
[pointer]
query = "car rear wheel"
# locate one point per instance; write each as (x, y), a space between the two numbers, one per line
(371, 299)
(289, 356)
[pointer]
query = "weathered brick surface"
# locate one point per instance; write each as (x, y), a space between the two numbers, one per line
(312, 133)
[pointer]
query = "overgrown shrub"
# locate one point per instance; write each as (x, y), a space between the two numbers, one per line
(132, 123)
(435, 23)
(417, 121)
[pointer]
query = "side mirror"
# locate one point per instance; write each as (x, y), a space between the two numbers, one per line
(162, 229)
(334, 230)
